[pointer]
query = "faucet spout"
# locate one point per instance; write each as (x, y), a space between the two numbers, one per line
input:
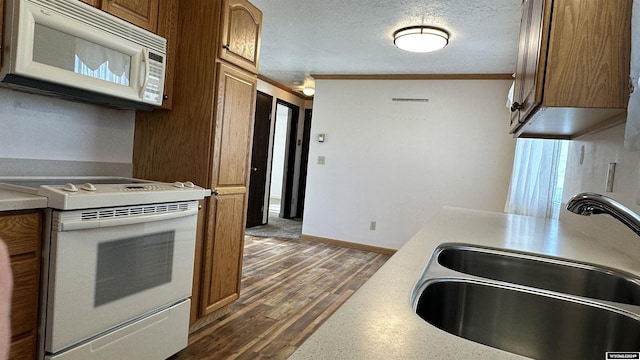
(591, 203)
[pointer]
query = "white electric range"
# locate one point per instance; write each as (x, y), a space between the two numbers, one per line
(117, 265)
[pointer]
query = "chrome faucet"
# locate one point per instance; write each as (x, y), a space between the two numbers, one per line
(591, 203)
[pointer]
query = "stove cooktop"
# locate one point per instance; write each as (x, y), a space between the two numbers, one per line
(70, 193)
(36, 182)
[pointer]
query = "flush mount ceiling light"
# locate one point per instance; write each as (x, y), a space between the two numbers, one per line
(309, 91)
(421, 38)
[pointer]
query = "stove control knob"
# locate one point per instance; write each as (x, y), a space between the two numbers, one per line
(70, 187)
(88, 187)
(178, 184)
(189, 184)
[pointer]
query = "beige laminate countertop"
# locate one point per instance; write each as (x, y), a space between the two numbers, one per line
(13, 200)
(378, 322)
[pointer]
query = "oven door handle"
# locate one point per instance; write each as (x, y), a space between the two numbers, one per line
(70, 225)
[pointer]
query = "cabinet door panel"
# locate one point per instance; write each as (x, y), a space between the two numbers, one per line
(532, 38)
(241, 28)
(599, 80)
(236, 91)
(168, 29)
(23, 349)
(234, 126)
(222, 280)
(25, 296)
(143, 13)
(22, 233)
(94, 3)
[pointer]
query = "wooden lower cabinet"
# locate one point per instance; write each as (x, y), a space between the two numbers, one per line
(22, 232)
(223, 258)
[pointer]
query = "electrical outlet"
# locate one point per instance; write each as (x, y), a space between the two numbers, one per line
(372, 226)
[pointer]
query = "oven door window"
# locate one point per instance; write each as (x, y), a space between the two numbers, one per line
(129, 266)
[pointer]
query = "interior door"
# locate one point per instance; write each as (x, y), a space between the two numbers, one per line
(259, 160)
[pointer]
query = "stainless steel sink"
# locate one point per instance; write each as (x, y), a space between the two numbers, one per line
(532, 305)
(542, 272)
(527, 323)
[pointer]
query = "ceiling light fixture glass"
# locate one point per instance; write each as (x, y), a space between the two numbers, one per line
(421, 38)
(309, 91)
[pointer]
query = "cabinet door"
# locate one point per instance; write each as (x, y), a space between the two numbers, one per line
(168, 29)
(22, 234)
(222, 268)
(94, 3)
(240, 36)
(143, 13)
(526, 97)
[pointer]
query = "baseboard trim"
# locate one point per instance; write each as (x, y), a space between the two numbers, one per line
(376, 249)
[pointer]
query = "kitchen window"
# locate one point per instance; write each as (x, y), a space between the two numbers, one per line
(538, 178)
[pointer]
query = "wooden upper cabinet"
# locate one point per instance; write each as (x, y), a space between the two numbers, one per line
(529, 55)
(143, 13)
(168, 29)
(573, 67)
(240, 34)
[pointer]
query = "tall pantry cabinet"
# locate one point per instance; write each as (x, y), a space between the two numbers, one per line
(206, 137)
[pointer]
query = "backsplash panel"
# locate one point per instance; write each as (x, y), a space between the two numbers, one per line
(48, 128)
(35, 167)
(587, 167)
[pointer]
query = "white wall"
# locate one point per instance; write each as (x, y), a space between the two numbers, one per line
(43, 127)
(587, 166)
(398, 163)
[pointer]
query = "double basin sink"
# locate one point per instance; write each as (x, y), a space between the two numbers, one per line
(531, 305)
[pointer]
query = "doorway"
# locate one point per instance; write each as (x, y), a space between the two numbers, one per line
(278, 162)
(283, 162)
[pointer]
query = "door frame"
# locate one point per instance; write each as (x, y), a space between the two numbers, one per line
(304, 162)
(290, 158)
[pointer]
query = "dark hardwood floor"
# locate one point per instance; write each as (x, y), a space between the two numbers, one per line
(289, 288)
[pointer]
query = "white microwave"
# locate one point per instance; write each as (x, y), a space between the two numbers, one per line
(70, 49)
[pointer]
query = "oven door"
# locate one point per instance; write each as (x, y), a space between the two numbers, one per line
(110, 266)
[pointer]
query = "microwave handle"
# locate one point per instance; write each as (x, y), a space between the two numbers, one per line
(145, 74)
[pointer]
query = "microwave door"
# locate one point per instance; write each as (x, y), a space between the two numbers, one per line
(68, 52)
(59, 50)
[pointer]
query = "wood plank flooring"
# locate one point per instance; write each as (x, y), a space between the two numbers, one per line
(289, 288)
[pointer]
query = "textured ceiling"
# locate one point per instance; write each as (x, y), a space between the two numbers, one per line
(303, 37)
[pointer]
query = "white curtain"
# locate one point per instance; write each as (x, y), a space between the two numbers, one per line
(534, 177)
